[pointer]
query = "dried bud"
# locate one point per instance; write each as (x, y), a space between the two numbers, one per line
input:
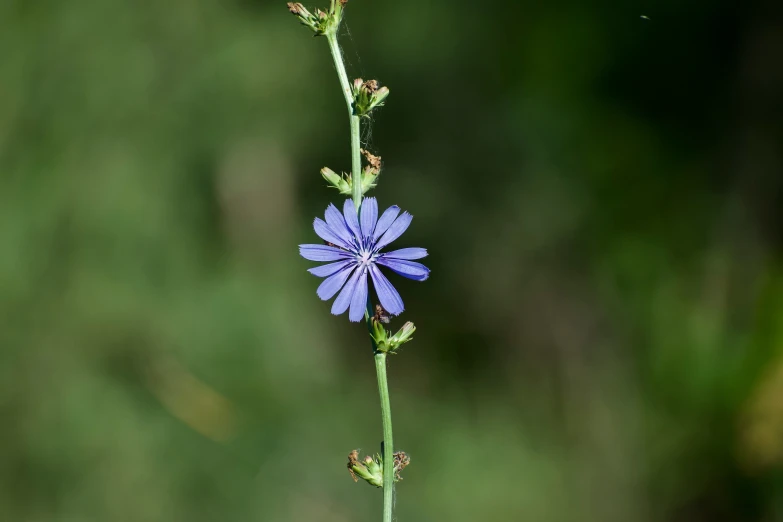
(374, 161)
(401, 461)
(298, 9)
(371, 85)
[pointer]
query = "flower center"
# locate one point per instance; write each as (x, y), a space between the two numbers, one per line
(365, 257)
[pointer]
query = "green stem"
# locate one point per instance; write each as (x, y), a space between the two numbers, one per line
(356, 158)
(380, 358)
(388, 445)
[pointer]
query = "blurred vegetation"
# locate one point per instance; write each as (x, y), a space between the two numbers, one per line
(602, 335)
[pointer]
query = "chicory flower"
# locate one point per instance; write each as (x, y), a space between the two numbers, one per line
(355, 241)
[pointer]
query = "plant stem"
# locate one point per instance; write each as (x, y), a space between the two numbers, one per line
(388, 446)
(380, 357)
(356, 159)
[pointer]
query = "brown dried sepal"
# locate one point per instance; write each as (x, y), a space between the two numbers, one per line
(296, 8)
(353, 460)
(373, 160)
(343, 2)
(401, 461)
(371, 85)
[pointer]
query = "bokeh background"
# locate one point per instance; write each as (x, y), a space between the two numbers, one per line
(598, 184)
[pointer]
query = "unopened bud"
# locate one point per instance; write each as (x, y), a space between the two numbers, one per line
(321, 22)
(341, 183)
(379, 96)
(384, 341)
(344, 183)
(379, 334)
(367, 96)
(404, 334)
(371, 470)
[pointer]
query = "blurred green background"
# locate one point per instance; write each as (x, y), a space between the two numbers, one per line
(601, 338)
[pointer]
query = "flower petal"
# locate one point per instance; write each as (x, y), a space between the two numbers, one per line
(409, 269)
(327, 270)
(336, 222)
(351, 219)
(407, 253)
(387, 218)
(369, 216)
(322, 253)
(325, 232)
(359, 299)
(396, 229)
(333, 283)
(387, 294)
(343, 300)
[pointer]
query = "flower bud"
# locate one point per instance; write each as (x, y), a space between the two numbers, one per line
(341, 183)
(371, 470)
(386, 343)
(321, 22)
(344, 184)
(404, 335)
(367, 96)
(379, 96)
(379, 334)
(369, 180)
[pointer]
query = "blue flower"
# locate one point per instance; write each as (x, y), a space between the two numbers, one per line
(355, 243)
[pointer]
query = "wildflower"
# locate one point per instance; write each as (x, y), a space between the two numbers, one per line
(356, 252)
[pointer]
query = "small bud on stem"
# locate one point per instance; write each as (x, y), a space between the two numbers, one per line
(321, 22)
(367, 96)
(370, 469)
(384, 342)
